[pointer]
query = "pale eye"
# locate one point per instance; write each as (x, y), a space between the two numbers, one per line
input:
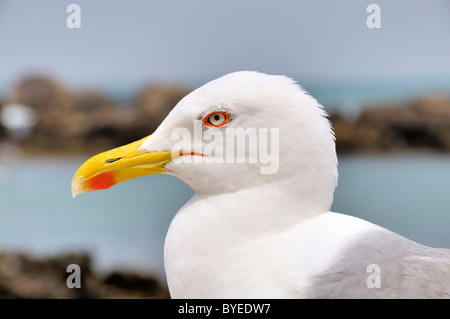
(216, 118)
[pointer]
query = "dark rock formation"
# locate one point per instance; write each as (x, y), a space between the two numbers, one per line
(155, 102)
(422, 124)
(90, 122)
(22, 276)
(3, 133)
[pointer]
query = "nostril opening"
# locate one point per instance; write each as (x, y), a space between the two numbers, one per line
(112, 160)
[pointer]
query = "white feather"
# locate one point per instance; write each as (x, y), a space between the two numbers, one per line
(251, 235)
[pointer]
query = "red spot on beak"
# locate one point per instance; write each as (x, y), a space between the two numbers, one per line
(191, 154)
(101, 181)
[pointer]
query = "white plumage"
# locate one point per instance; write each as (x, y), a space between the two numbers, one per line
(250, 235)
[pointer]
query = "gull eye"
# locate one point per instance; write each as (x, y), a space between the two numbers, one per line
(216, 119)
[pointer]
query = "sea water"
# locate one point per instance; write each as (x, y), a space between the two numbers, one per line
(125, 226)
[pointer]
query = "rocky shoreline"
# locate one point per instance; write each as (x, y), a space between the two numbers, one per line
(26, 277)
(41, 116)
(421, 124)
(64, 122)
(89, 122)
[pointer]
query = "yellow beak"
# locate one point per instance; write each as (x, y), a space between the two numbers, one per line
(117, 165)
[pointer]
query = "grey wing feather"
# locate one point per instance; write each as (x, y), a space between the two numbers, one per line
(427, 277)
(407, 270)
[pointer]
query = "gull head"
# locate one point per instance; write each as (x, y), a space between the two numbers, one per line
(239, 131)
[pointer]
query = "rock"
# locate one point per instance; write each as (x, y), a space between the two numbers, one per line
(23, 276)
(136, 284)
(3, 131)
(56, 111)
(100, 121)
(421, 124)
(155, 102)
(51, 101)
(90, 122)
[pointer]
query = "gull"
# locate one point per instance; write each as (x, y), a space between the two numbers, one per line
(253, 234)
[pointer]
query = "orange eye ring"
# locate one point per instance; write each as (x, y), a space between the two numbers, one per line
(216, 119)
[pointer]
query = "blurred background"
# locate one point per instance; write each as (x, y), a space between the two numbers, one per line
(68, 93)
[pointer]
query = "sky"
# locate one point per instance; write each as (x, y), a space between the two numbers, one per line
(127, 43)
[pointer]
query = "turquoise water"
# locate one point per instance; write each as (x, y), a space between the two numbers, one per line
(125, 226)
